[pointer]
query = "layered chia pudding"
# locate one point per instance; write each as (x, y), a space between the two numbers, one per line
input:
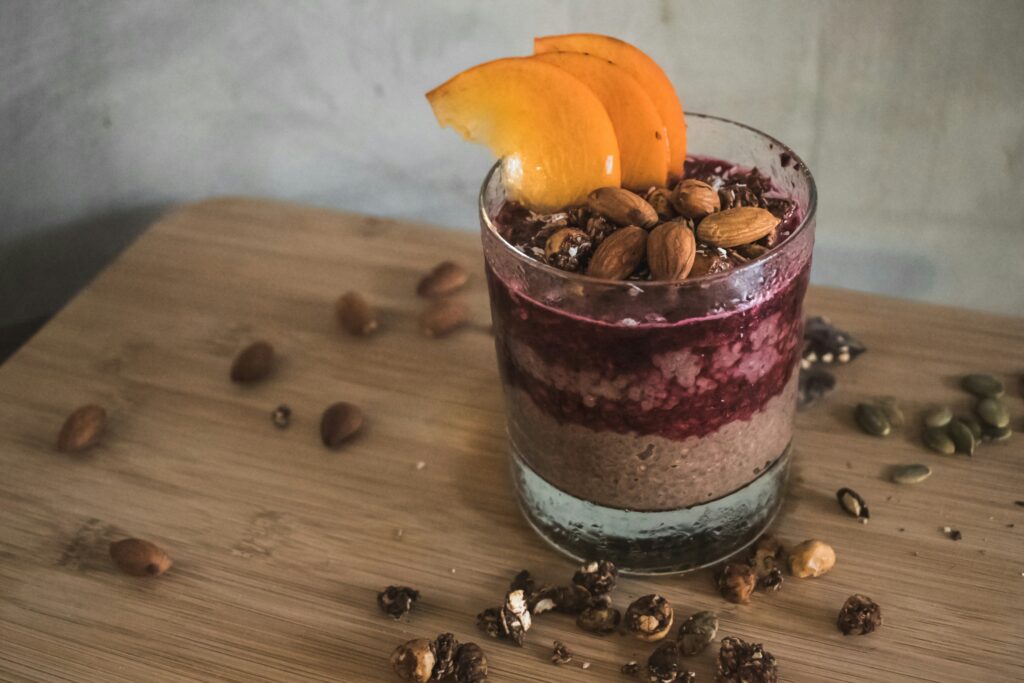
(647, 270)
(651, 422)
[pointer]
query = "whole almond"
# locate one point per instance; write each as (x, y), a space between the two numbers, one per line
(139, 558)
(734, 227)
(82, 428)
(619, 254)
(671, 250)
(445, 278)
(695, 199)
(443, 317)
(340, 422)
(355, 314)
(622, 207)
(661, 199)
(254, 363)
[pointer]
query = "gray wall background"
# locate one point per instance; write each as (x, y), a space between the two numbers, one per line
(909, 112)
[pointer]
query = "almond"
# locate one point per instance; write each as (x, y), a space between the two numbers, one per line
(340, 422)
(82, 428)
(445, 278)
(443, 317)
(355, 314)
(622, 207)
(733, 227)
(139, 558)
(671, 250)
(254, 363)
(695, 199)
(661, 199)
(619, 254)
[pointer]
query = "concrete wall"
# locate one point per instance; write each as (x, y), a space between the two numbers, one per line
(909, 112)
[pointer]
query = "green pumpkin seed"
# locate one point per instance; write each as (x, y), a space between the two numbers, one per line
(910, 474)
(992, 412)
(938, 440)
(983, 386)
(938, 416)
(962, 436)
(891, 408)
(872, 419)
(997, 434)
(973, 424)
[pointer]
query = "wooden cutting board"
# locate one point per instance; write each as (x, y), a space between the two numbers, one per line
(281, 546)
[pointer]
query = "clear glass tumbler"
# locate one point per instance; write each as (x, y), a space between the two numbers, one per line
(651, 423)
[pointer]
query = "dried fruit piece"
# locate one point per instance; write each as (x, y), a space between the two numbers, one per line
(695, 199)
(414, 660)
(254, 363)
(697, 632)
(826, 343)
(619, 254)
(554, 151)
(443, 317)
(597, 576)
(810, 559)
(470, 664)
(568, 249)
(649, 617)
(446, 647)
(445, 278)
(665, 666)
(355, 314)
(622, 207)
(671, 251)
(859, 615)
(601, 620)
(397, 601)
(340, 422)
(736, 582)
(560, 654)
(654, 81)
(139, 558)
(82, 429)
(742, 662)
(642, 137)
(733, 227)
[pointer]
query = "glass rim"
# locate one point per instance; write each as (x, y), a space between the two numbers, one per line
(773, 253)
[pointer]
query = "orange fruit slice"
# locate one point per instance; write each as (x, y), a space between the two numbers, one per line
(553, 135)
(643, 139)
(644, 69)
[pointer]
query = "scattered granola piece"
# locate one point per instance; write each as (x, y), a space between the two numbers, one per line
(742, 662)
(396, 601)
(859, 615)
(649, 617)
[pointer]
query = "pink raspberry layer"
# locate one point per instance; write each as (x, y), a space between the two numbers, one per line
(676, 381)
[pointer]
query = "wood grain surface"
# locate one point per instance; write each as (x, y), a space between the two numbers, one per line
(280, 546)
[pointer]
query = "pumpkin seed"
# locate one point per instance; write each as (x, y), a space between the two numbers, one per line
(992, 412)
(891, 408)
(938, 416)
(938, 440)
(997, 434)
(962, 436)
(973, 424)
(983, 385)
(872, 419)
(910, 474)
